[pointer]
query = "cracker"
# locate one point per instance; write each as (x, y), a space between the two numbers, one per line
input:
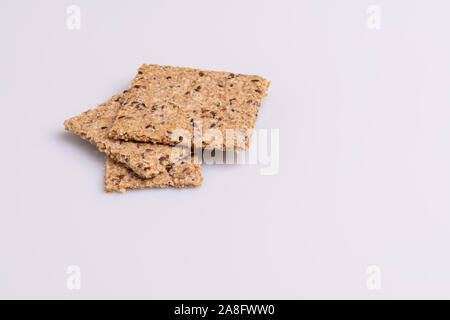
(145, 159)
(119, 178)
(165, 98)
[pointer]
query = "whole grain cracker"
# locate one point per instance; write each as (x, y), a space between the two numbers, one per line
(145, 159)
(165, 98)
(119, 178)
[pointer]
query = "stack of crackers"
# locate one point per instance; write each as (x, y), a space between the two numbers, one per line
(148, 132)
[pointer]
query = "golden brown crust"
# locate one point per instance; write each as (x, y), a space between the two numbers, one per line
(145, 159)
(163, 99)
(119, 178)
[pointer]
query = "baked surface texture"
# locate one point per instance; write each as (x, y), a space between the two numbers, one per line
(145, 159)
(163, 99)
(119, 178)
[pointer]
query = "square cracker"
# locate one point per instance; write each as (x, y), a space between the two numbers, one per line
(119, 178)
(145, 159)
(163, 99)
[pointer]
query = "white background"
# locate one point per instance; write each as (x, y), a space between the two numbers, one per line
(364, 178)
